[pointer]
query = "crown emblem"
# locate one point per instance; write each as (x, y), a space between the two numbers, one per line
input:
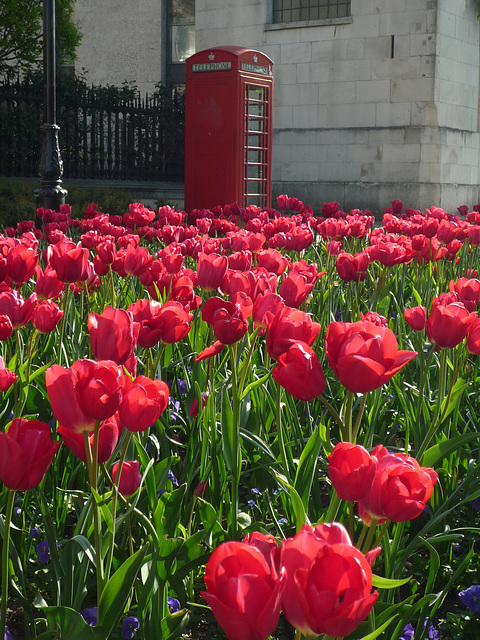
(255, 58)
(211, 56)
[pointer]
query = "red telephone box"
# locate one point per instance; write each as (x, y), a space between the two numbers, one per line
(228, 128)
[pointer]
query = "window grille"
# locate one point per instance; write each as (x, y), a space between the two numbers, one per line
(302, 10)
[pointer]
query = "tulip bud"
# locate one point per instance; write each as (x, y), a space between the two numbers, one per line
(199, 489)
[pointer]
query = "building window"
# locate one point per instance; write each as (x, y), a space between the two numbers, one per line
(180, 37)
(302, 10)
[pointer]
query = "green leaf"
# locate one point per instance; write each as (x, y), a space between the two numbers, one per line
(388, 583)
(380, 629)
(173, 625)
(69, 623)
(228, 434)
(452, 400)
(254, 385)
(307, 467)
(116, 592)
(443, 449)
(297, 504)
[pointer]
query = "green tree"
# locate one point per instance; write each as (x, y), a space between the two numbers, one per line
(21, 37)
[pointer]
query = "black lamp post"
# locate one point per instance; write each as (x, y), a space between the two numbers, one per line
(50, 194)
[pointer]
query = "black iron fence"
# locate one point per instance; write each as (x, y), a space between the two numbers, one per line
(105, 132)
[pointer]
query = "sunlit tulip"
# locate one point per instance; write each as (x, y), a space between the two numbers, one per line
(7, 377)
(26, 452)
(113, 334)
(290, 326)
(142, 403)
(300, 373)
(46, 316)
(364, 356)
(243, 590)
(400, 488)
(351, 469)
(130, 477)
(84, 393)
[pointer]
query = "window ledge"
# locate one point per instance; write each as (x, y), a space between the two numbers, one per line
(275, 26)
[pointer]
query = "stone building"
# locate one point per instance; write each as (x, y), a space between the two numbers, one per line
(374, 100)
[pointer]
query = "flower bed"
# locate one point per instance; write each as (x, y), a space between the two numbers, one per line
(261, 418)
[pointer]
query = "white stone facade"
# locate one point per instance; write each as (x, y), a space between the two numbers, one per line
(379, 106)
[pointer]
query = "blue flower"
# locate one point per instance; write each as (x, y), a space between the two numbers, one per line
(175, 409)
(43, 551)
(432, 633)
(173, 605)
(34, 533)
(471, 598)
(407, 633)
(475, 503)
(282, 521)
(130, 625)
(173, 478)
(18, 511)
(252, 504)
(8, 635)
(90, 616)
(256, 492)
(182, 387)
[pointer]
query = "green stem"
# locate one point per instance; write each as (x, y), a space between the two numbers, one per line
(109, 559)
(358, 421)
(5, 566)
(92, 460)
(235, 454)
(371, 533)
(281, 441)
(336, 417)
(437, 418)
(348, 415)
(63, 320)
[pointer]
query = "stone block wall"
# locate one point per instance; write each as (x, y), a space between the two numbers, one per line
(381, 106)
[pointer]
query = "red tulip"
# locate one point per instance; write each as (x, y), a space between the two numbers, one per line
(16, 308)
(7, 378)
(6, 328)
(448, 324)
(469, 291)
(265, 307)
(168, 323)
(113, 334)
(211, 269)
(214, 349)
(473, 338)
(287, 327)
(351, 469)
(48, 285)
(364, 356)
(46, 315)
(69, 260)
(26, 452)
(21, 263)
(243, 590)
(329, 582)
(136, 260)
(294, 289)
(226, 319)
(352, 267)
(416, 318)
(299, 371)
(400, 488)
(108, 435)
(130, 477)
(86, 392)
(142, 403)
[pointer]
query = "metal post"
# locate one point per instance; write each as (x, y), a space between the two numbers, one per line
(50, 194)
